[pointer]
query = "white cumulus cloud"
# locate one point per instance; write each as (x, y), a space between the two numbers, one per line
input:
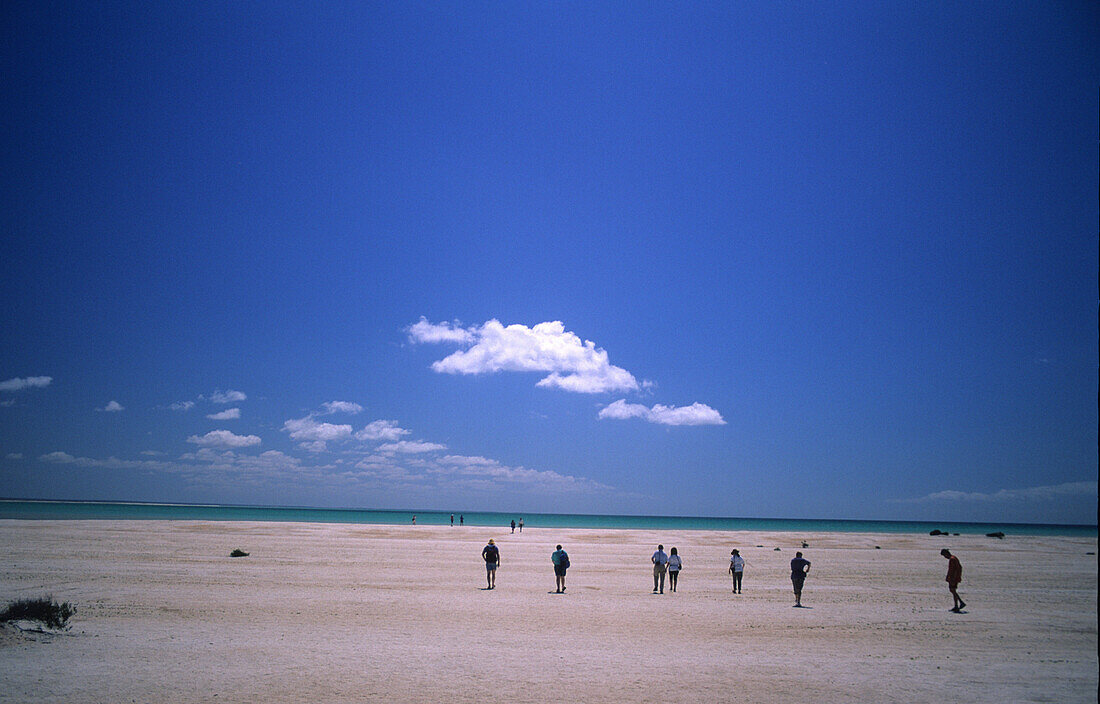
(382, 430)
(341, 407)
(424, 331)
(223, 438)
(111, 407)
(571, 364)
(695, 414)
(308, 430)
(227, 414)
(27, 382)
(227, 396)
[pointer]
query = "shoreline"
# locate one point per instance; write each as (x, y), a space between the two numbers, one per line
(338, 612)
(44, 509)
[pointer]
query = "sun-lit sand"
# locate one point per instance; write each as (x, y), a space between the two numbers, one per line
(340, 613)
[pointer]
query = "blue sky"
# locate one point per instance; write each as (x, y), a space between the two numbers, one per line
(724, 259)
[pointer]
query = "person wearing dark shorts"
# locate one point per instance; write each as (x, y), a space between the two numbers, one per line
(491, 555)
(560, 558)
(799, 567)
(954, 576)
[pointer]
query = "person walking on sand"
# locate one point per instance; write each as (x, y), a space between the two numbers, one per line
(513, 525)
(660, 564)
(521, 525)
(737, 569)
(491, 555)
(675, 564)
(954, 576)
(560, 558)
(452, 520)
(799, 567)
(461, 520)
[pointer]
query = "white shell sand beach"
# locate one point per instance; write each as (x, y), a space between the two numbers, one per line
(338, 612)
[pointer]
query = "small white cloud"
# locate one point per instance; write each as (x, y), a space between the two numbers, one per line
(410, 447)
(57, 458)
(15, 455)
(384, 430)
(424, 331)
(467, 461)
(308, 430)
(227, 414)
(571, 364)
(695, 414)
(314, 446)
(152, 453)
(341, 407)
(112, 407)
(28, 382)
(181, 405)
(1035, 493)
(223, 438)
(227, 396)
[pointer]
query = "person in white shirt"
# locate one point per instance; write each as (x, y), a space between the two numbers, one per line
(660, 562)
(737, 568)
(674, 566)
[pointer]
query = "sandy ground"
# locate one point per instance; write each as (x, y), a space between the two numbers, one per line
(340, 613)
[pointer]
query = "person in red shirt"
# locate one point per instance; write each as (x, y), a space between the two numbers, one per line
(954, 576)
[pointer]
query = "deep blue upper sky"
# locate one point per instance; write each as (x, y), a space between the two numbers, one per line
(862, 240)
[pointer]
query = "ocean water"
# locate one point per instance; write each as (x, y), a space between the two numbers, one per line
(95, 510)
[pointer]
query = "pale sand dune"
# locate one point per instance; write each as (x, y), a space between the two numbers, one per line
(340, 613)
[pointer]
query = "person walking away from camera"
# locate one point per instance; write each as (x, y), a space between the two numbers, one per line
(520, 525)
(737, 569)
(560, 558)
(675, 564)
(491, 555)
(954, 576)
(799, 567)
(513, 525)
(660, 564)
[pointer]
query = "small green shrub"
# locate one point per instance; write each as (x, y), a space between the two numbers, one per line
(238, 553)
(44, 610)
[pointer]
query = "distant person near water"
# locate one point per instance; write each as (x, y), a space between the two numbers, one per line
(954, 576)
(452, 520)
(799, 567)
(414, 520)
(737, 569)
(560, 558)
(521, 525)
(461, 520)
(513, 526)
(660, 564)
(675, 564)
(491, 555)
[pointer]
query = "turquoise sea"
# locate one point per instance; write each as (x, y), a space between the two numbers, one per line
(92, 510)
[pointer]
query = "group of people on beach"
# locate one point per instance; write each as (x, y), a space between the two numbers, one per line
(671, 564)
